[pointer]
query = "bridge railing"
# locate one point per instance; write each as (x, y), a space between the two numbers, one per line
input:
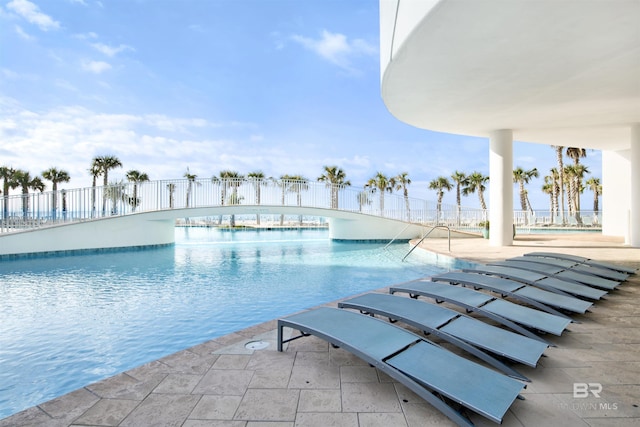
(32, 210)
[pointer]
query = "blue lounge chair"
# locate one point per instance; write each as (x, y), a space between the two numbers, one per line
(575, 266)
(504, 312)
(560, 273)
(543, 281)
(583, 260)
(432, 372)
(528, 294)
(463, 331)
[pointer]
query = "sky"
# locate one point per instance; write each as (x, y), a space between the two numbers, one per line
(281, 86)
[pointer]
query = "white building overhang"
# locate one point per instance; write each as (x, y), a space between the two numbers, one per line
(554, 72)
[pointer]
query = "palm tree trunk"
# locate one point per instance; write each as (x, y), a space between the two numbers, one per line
(135, 197)
(407, 204)
(483, 205)
(104, 193)
(54, 199)
(258, 201)
(25, 203)
(282, 215)
(93, 197)
(561, 185)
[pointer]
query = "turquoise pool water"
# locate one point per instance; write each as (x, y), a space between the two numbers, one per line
(70, 321)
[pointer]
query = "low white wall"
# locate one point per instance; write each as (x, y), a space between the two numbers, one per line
(371, 229)
(117, 232)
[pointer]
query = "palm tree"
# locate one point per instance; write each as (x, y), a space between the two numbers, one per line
(549, 188)
(172, 189)
(382, 183)
(522, 177)
(55, 176)
(9, 182)
(115, 192)
(231, 179)
(459, 178)
(576, 154)
(335, 179)
(136, 177)
(105, 164)
(95, 170)
(191, 178)
(554, 182)
(440, 184)
(285, 186)
(27, 182)
(575, 173)
(402, 181)
(560, 169)
(299, 184)
(257, 178)
(363, 199)
(594, 185)
(476, 182)
(570, 187)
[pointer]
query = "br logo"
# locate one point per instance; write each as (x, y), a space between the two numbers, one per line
(582, 390)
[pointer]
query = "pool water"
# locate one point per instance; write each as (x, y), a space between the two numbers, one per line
(72, 320)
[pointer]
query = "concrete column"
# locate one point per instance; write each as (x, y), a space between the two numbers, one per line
(501, 187)
(634, 161)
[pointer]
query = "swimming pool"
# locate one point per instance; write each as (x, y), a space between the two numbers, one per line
(73, 320)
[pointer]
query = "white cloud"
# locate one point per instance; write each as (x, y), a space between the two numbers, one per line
(336, 48)
(9, 74)
(64, 84)
(69, 137)
(33, 15)
(171, 124)
(95, 67)
(110, 51)
(23, 34)
(86, 36)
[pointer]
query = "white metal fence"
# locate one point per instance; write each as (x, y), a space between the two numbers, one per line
(26, 211)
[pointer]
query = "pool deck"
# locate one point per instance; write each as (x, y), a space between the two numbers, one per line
(222, 383)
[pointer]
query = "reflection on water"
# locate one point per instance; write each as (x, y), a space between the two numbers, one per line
(69, 321)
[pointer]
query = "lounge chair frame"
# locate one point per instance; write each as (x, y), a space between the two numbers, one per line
(575, 266)
(439, 298)
(468, 279)
(543, 281)
(405, 345)
(584, 260)
(560, 273)
(372, 304)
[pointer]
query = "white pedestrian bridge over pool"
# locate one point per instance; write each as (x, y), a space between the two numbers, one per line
(145, 213)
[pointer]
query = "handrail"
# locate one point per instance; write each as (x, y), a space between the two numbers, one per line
(396, 236)
(427, 235)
